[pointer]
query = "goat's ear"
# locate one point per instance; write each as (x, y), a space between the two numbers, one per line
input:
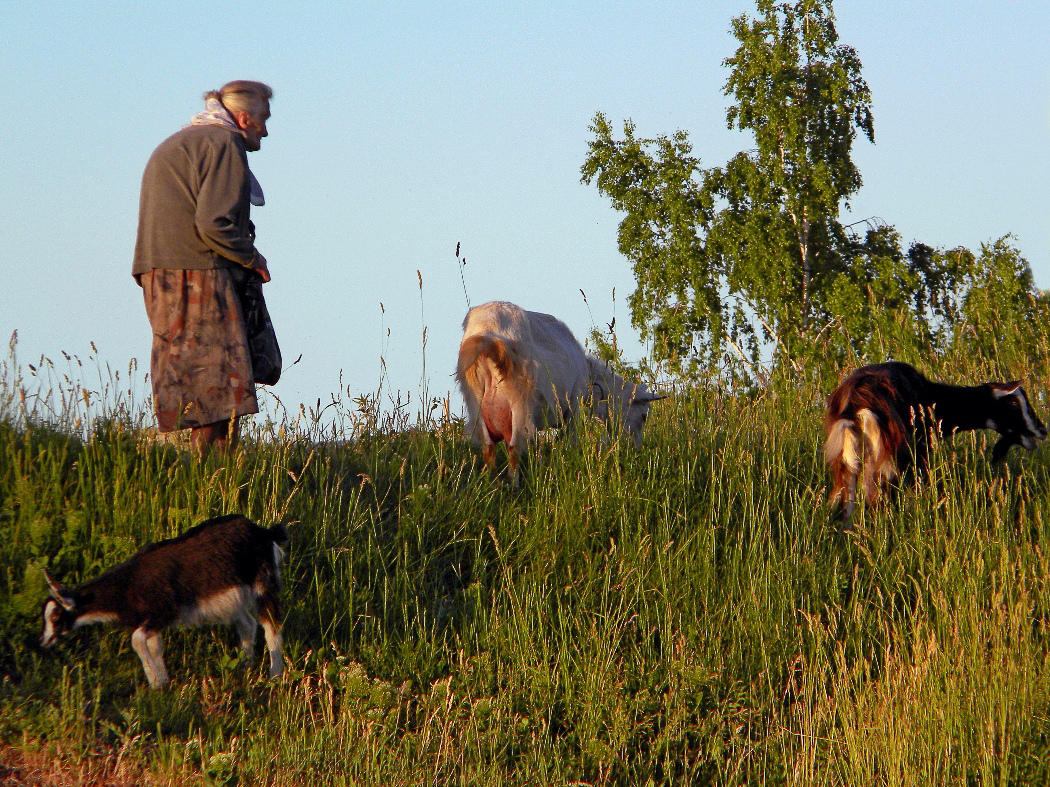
(1005, 389)
(58, 593)
(643, 398)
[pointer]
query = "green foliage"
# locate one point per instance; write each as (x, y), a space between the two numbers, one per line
(746, 267)
(929, 303)
(655, 183)
(800, 93)
(879, 302)
(739, 258)
(1002, 314)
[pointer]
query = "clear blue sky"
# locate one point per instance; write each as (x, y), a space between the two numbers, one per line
(402, 129)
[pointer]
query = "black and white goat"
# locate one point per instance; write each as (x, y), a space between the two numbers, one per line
(878, 412)
(225, 570)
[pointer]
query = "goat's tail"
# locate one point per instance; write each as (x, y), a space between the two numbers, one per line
(501, 353)
(279, 533)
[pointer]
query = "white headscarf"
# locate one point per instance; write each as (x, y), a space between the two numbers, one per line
(215, 114)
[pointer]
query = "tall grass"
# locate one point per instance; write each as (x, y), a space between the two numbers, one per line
(682, 614)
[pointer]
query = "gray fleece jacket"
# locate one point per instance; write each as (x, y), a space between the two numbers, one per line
(194, 208)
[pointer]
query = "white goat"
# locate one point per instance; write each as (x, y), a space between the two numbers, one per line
(521, 371)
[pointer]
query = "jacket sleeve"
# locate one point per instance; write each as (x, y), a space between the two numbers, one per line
(222, 207)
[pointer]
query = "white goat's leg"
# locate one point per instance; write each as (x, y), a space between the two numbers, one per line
(513, 459)
(246, 627)
(851, 499)
(272, 633)
(147, 644)
(156, 650)
(488, 447)
(488, 454)
(517, 445)
(138, 642)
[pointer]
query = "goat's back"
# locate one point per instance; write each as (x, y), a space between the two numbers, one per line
(164, 578)
(498, 317)
(231, 545)
(541, 338)
(889, 390)
(548, 358)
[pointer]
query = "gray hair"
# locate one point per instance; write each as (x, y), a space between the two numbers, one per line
(243, 95)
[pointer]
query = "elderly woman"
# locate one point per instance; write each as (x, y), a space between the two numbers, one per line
(194, 236)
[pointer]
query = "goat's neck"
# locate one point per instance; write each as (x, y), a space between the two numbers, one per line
(104, 591)
(960, 408)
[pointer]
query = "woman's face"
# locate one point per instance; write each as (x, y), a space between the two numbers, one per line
(254, 127)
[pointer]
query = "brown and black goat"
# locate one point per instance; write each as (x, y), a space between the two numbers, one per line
(879, 412)
(225, 570)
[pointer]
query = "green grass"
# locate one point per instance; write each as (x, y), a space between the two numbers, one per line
(683, 614)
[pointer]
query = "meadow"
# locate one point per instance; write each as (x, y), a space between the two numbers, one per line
(687, 613)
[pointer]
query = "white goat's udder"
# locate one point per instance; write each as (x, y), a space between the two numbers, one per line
(222, 607)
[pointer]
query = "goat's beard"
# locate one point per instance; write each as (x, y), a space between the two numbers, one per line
(1006, 442)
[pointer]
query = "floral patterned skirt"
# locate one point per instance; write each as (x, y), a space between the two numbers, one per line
(200, 364)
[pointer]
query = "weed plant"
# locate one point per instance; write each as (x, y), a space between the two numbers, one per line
(683, 614)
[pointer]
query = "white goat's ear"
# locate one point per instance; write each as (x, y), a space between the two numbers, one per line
(58, 593)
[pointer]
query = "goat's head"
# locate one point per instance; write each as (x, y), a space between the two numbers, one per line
(60, 613)
(611, 394)
(1014, 419)
(637, 411)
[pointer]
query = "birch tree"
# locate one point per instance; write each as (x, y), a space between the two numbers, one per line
(737, 261)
